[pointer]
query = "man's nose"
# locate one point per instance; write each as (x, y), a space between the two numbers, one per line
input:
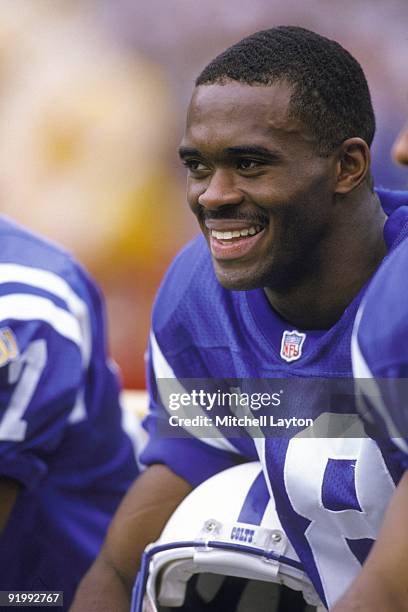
(400, 147)
(220, 191)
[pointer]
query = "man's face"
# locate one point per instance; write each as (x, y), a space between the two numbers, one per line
(400, 148)
(261, 193)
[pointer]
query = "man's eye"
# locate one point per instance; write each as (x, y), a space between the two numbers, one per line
(248, 164)
(194, 165)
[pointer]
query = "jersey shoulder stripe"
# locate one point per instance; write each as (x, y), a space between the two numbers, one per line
(25, 307)
(50, 282)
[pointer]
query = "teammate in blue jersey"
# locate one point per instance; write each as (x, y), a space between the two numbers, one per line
(378, 344)
(277, 153)
(379, 357)
(65, 461)
(380, 365)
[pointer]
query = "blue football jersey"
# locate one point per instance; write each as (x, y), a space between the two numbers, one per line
(330, 493)
(60, 422)
(380, 355)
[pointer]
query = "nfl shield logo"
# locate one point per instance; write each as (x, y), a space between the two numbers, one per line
(291, 346)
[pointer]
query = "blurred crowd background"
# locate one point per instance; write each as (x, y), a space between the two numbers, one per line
(92, 105)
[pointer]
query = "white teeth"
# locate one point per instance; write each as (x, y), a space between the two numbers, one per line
(236, 233)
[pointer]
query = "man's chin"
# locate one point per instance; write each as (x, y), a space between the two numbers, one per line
(248, 279)
(235, 281)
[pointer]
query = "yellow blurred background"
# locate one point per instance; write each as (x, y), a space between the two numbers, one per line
(93, 96)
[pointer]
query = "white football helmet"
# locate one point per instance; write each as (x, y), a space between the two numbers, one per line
(227, 526)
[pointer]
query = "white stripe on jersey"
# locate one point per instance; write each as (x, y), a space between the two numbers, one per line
(366, 385)
(25, 307)
(48, 281)
(163, 373)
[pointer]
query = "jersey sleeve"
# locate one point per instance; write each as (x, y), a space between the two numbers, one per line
(382, 404)
(192, 456)
(42, 355)
(380, 357)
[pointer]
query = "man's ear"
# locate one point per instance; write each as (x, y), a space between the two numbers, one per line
(353, 164)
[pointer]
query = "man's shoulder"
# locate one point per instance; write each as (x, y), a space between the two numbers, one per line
(29, 259)
(392, 199)
(193, 311)
(387, 294)
(384, 321)
(383, 329)
(20, 246)
(190, 283)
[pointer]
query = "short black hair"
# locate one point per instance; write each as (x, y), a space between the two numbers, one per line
(330, 91)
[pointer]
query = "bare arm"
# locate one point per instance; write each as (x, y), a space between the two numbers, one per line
(8, 493)
(139, 520)
(383, 581)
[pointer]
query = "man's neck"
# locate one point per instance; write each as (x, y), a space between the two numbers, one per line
(319, 300)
